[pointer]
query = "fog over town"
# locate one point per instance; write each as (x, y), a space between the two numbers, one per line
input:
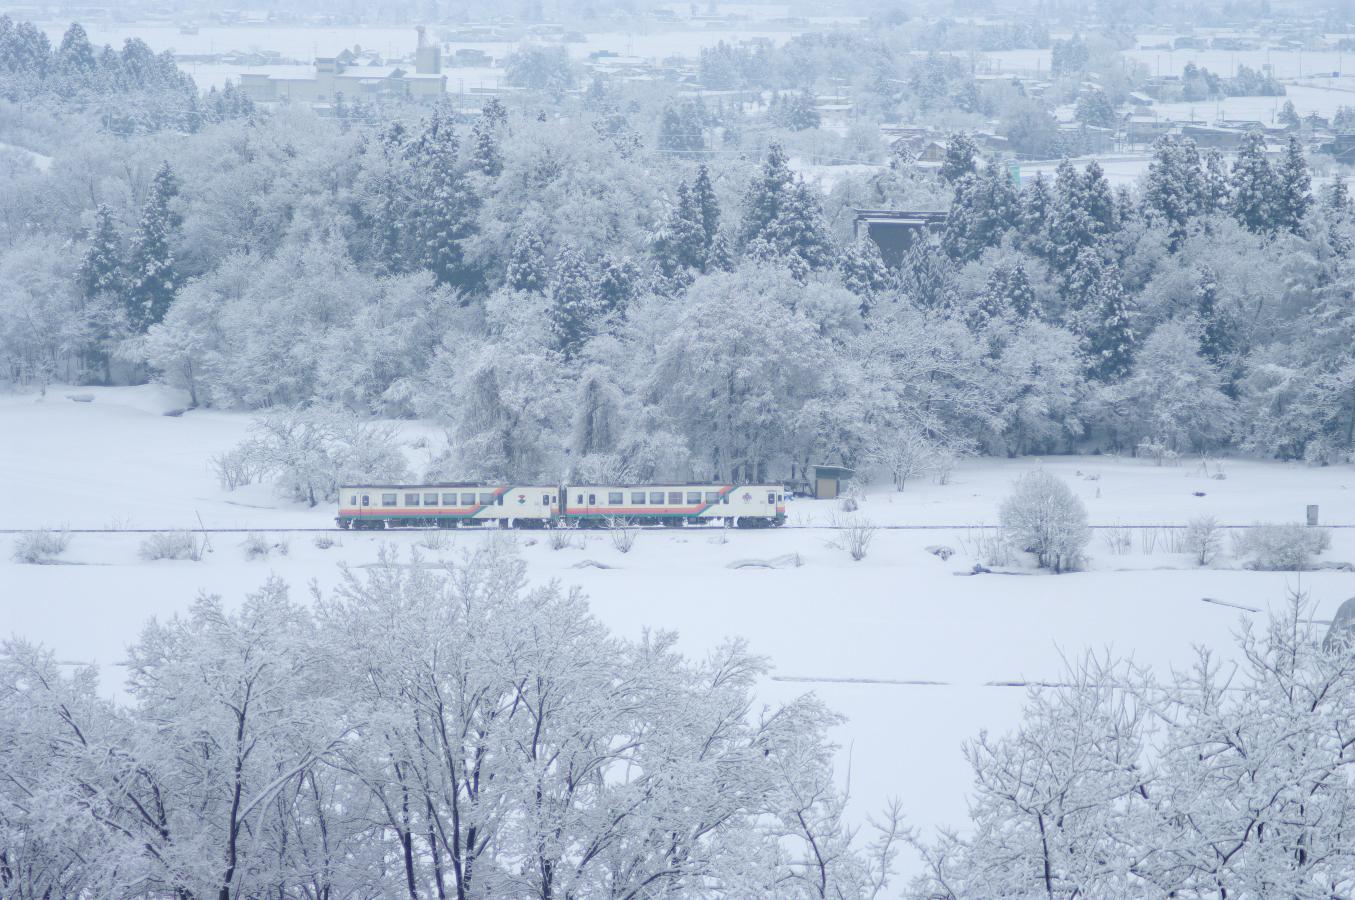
(633, 449)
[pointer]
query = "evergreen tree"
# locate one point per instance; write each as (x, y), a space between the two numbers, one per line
(1108, 336)
(486, 156)
(985, 208)
(1072, 227)
(441, 216)
(961, 157)
(1080, 283)
(617, 283)
(100, 272)
(783, 219)
(1216, 332)
(863, 272)
(527, 262)
(703, 196)
(1020, 293)
(574, 305)
(75, 63)
(762, 203)
(1289, 116)
(1214, 192)
(926, 277)
(1293, 188)
(1032, 220)
(682, 244)
(495, 113)
(1253, 186)
(1173, 190)
(1098, 200)
(151, 276)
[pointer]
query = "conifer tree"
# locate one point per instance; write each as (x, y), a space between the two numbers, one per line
(1215, 330)
(574, 305)
(783, 219)
(1032, 220)
(1293, 188)
(100, 272)
(442, 214)
(703, 196)
(617, 283)
(766, 194)
(926, 277)
(527, 262)
(486, 157)
(1173, 189)
(961, 158)
(1253, 186)
(1214, 191)
(863, 272)
(1108, 338)
(151, 276)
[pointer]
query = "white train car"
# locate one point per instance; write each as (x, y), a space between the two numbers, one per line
(745, 505)
(446, 505)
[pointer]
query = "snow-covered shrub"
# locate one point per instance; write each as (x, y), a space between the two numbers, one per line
(256, 546)
(36, 547)
(433, 540)
(234, 468)
(1044, 517)
(1119, 540)
(323, 542)
(1156, 450)
(560, 536)
(987, 545)
(1203, 539)
(852, 534)
(171, 545)
(311, 451)
(623, 533)
(1273, 547)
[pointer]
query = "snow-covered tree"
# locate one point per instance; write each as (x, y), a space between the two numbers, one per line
(1044, 517)
(152, 278)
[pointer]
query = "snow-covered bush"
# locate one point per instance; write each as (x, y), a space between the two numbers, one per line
(35, 547)
(258, 546)
(623, 533)
(235, 468)
(433, 540)
(987, 545)
(310, 451)
(323, 542)
(1288, 547)
(853, 534)
(560, 536)
(171, 545)
(1044, 517)
(1203, 539)
(1119, 540)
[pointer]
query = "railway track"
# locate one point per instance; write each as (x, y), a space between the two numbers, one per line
(336, 530)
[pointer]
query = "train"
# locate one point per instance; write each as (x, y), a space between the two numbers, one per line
(459, 505)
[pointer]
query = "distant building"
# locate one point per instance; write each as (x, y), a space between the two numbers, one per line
(1213, 137)
(1146, 129)
(337, 76)
(896, 231)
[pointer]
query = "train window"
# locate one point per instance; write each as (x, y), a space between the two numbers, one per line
(388, 499)
(411, 499)
(545, 499)
(592, 499)
(449, 499)
(366, 500)
(616, 498)
(712, 496)
(693, 496)
(656, 498)
(725, 499)
(467, 499)
(430, 499)
(499, 500)
(637, 497)
(780, 498)
(353, 500)
(581, 499)
(486, 499)
(771, 498)
(675, 497)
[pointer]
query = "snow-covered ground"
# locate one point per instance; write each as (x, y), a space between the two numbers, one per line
(847, 630)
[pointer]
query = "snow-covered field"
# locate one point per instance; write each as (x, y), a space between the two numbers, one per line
(901, 614)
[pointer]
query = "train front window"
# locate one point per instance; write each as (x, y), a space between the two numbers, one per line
(545, 499)
(771, 498)
(486, 499)
(467, 499)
